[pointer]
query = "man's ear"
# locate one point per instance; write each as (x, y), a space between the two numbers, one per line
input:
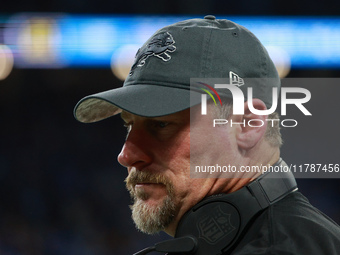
(253, 127)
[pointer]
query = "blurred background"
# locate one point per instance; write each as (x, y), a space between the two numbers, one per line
(62, 191)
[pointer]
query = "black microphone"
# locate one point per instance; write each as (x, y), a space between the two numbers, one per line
(186, 244)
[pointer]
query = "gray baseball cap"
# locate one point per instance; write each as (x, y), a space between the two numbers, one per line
(159, 80)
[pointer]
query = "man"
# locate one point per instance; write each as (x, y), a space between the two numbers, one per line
(171, 141)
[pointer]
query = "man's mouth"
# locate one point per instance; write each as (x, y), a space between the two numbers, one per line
(150, 191)
(147, 186)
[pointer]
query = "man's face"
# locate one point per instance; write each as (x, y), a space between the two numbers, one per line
(157, 155)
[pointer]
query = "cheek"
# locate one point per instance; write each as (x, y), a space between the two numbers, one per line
(179, 161)
(176, 161)
(175, 154)
(210, 149)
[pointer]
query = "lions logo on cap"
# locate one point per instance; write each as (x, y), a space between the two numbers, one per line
(160, 46)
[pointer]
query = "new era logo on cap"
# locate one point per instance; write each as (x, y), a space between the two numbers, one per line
(235, 79)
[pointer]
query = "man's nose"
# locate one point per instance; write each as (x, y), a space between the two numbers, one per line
(135, 151)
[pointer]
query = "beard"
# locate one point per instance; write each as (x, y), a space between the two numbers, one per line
(150, 219)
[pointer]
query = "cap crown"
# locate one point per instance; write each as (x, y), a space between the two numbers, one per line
(200, 48)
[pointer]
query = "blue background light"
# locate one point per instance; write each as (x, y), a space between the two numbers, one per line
(91, 41)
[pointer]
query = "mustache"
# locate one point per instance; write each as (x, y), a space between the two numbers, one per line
(146, 177)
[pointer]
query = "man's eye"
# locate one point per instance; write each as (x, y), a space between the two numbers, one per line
(161, 124)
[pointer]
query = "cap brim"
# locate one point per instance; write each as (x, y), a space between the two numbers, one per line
(143, 100)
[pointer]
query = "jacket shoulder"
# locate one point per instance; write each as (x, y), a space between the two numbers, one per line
(291, 226)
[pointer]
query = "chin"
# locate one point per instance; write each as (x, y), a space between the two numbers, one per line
(152, 216)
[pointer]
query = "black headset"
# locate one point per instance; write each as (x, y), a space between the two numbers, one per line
(216, 224)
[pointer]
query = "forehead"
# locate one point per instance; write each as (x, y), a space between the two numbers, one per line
(183, 115)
